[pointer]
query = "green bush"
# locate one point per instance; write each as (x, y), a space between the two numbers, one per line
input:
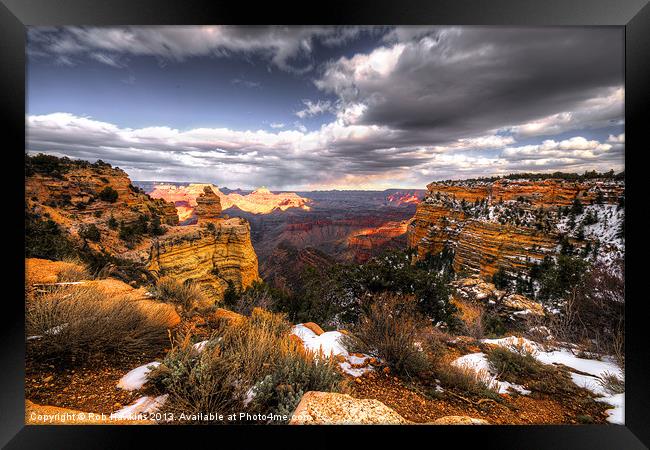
(108, 194)
(518, 364)
(294, 374)
(45, 239)
(90, 232)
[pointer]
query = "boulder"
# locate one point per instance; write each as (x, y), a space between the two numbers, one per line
(330, 408)
(459, 420)
(314, 327)
(230, 317)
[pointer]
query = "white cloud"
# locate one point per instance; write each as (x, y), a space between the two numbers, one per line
(336, 155)
(277, 125)
(313, 109)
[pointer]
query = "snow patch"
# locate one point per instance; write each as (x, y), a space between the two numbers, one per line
(479, 363)
(329, 344)
(137, 377)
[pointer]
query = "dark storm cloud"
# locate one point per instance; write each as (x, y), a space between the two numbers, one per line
(451, 83)
(287, 48)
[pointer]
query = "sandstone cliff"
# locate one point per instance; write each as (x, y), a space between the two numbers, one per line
(78, 194)
(513, 224)
(211, 256)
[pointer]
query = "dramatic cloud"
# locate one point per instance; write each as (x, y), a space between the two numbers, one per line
(280, 45)
(385, 106)
(337, 155)
(451, 82)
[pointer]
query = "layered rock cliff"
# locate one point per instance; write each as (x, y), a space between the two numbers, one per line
(97, 207)
(513, 224)
(78, 195)
(210, 255)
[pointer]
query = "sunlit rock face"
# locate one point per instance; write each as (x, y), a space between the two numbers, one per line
(72, 197)
(260, 201)
(209, 255)
(364, 244)
(508, 224)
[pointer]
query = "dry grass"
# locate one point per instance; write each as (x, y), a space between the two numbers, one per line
(518, 364)
(466, 379)
(612, 382)
(237, 357)
(391, 330)
(188, 295)
(79, 321)
(75, 271)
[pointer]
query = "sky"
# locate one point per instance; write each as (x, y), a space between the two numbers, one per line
(306, 108)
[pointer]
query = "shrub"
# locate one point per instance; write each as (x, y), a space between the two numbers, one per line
(593, 311)
(518, 364)
(81, 321)
(108, 194)
(501, 279)
(258, 295)
(112, 223)
(236, 358)
(389, 329)
(45, 239)
(188, 295)
(90, 232)
(230, 295)
(295, 373)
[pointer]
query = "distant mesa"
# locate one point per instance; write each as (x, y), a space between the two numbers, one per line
(260, 201)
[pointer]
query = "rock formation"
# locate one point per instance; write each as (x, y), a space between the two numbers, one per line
(487, 295)
(211, 256)
(261, 201)
(208, 206)
(504, 224)
(76, 194)
(364, 244)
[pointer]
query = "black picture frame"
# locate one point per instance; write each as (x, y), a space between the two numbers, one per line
(15, 15)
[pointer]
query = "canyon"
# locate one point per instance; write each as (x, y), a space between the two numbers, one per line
(260, 201)
(346, 226)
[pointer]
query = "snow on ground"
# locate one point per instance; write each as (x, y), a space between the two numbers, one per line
(137, 377)
(200, 346)
(594, 370)
(479, 363)
(329, 343)
(143, 405)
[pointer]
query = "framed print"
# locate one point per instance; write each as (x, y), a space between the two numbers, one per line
(403, 219)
